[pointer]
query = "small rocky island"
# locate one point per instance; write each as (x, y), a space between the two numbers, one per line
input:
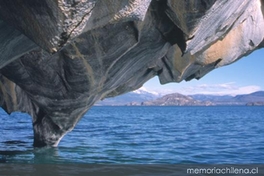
(255, 103)
(60, 57)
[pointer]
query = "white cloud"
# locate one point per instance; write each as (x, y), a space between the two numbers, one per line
(227, 86)
(230, 88)
(246, 90)
(221, 89)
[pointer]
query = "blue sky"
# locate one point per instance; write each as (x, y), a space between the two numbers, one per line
(242, 77)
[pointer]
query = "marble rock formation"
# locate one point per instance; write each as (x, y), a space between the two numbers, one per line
(58, 57)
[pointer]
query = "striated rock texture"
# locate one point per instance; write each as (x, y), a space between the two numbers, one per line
(58, 57)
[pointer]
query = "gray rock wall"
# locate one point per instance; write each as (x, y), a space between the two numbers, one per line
(60, 57)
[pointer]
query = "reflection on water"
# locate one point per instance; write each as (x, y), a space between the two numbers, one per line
(46, 155)
(33, 155)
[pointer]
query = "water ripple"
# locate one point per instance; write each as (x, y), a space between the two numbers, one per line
(144, 135)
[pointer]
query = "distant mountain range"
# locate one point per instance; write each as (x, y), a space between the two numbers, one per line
(135, 97)
(144, 98)
(176, 99)
(244, 99)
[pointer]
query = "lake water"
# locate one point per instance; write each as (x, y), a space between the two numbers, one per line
(133, 135)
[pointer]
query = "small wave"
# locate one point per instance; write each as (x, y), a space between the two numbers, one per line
(14, 142)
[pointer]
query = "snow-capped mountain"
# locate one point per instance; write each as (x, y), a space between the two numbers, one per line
(143, 90)
(135, 97)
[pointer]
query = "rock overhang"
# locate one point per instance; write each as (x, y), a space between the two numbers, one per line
(60, 57)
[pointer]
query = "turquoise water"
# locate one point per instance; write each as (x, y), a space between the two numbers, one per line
(133, 135)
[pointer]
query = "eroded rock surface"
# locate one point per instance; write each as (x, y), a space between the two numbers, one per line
(59, 57)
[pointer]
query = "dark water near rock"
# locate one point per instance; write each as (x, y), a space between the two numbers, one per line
(133, 135)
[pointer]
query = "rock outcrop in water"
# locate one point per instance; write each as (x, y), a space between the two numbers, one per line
(59, 57)
(255, 104)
